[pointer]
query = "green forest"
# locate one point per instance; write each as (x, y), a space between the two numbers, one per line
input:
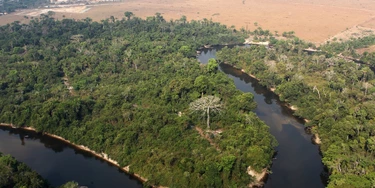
(333, 89)
(132, 88)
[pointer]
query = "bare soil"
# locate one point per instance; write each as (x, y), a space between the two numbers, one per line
(312, 20)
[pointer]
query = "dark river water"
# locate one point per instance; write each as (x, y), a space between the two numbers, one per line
(59, 162)
(297, 163)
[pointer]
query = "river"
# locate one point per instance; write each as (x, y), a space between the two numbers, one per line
(298, 161)
(59, 162)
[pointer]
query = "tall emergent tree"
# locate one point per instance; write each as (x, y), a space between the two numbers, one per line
(128, 14)
(207, 105)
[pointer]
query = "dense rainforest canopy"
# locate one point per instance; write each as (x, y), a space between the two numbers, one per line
(333, 89)
(126, 87)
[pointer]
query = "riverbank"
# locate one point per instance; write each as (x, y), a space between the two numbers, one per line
(102, 156)
(298, 161)
(259, 177)
(289, 106)
(315, 136)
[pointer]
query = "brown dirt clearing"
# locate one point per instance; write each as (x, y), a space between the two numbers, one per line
(314, 20)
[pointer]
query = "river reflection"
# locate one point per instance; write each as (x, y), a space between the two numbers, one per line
(59, 162)
(298, 162)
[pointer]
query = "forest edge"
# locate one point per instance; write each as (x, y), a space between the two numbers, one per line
(259, 177)
(315, 137)
(102, 156)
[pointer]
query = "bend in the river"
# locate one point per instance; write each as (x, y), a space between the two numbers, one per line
(298, 162)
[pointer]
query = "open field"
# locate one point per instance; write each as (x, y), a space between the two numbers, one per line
(64, 10)
(312, 20)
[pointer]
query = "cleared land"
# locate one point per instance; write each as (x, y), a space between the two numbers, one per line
(312, 20)
(64, 10)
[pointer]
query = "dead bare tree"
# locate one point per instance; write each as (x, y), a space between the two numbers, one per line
(207, 105)
(316, 89)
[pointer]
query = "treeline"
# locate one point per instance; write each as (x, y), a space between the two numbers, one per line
(123, 87)
(348, 48)
(335, 94)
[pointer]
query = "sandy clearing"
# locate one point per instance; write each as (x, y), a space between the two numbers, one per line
(37, 12)
(369, 23)
(312, 20)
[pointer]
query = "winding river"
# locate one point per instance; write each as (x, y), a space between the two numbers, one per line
(297, 163)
